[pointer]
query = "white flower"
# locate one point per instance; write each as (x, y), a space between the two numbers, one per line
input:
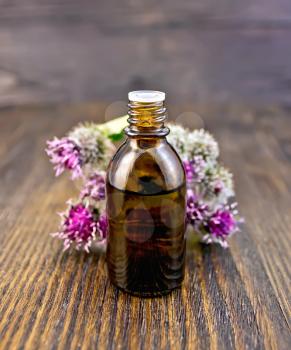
(96, 149)
(178, 139)
(201, 143)
(218, 184)
(191, 144)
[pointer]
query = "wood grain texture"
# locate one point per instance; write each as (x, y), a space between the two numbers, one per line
(231, 299)
(217, 50)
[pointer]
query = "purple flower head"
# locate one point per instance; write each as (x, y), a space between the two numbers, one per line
(197, 211)
(222, 223)
(195, 169)
(78, 227)
(65, 154)
(94, 187)
(189, 169)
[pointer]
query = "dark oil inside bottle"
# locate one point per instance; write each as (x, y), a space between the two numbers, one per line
(145, 191)
(145, 253)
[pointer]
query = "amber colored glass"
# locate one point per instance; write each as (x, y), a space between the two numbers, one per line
(146, 207)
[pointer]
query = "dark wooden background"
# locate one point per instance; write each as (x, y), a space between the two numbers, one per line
(72, 50)
(226, 65)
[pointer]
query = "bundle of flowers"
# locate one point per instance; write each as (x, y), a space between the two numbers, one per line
(85, 153)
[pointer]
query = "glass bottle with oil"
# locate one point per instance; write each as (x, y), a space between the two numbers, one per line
(146, 203)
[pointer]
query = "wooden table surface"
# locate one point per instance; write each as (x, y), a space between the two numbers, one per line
(237, 298)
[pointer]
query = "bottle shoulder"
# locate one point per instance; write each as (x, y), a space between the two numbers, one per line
(146, 165)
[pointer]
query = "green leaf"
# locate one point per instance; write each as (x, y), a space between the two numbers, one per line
(116, 137)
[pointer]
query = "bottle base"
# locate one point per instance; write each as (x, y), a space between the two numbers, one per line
(151, 294)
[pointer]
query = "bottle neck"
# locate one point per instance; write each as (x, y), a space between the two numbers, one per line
(146, 119)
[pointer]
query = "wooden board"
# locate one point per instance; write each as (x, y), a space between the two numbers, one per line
(217, 50)
(231, 299)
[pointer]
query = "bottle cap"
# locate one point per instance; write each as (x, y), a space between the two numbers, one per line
(146, 96)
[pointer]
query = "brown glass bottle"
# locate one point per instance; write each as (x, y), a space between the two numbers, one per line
(146, 204)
